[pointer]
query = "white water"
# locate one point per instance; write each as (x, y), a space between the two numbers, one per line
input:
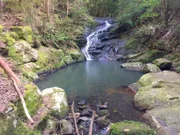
(91, 38)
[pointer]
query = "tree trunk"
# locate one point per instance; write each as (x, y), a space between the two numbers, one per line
(8, 70)
(67, 10)
(165, 9)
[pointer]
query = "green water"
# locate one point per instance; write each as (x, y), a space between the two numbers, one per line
(90, 78)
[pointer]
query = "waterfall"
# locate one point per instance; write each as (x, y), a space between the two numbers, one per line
(93, 37)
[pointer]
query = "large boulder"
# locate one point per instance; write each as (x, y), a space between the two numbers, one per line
(139, 66)
(159, 95)
(56, 100)
(165, 120)
(163, 64)
(131, 128)
(22, 52)
(157, 89)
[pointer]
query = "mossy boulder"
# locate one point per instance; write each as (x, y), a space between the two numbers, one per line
(68, 60)
(12, 125)
(149, 56)
(158, 89)
(24, 32)
(138, 66)
(151, 68)
(22, 52)
(49, 58)
(159, 95)
(131, 128)
(33, 101)
(163, 64)
(57, 101)
(76, 54)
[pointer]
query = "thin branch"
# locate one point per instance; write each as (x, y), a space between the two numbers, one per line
(22, 101)
(75, 122)
(91, 124)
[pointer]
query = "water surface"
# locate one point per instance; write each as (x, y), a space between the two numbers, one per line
(90, 77)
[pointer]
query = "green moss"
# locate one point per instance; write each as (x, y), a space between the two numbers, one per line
(17, 57)
(1, 29)
(9, 39)
(131, 128)
(150, 55)
(24, 32)
(21, 129)
(32, 99)
(49, 58)
(11, 125)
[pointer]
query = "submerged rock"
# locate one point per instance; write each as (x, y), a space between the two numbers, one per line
(57, 101)
(163, 64)
(66, 126)
(131, 128)
(103, 122)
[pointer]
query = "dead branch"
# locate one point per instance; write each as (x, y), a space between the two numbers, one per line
(22, 101)
(75, 122)
(91, 124)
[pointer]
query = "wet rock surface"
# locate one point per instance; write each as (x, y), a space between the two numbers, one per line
(159, 95)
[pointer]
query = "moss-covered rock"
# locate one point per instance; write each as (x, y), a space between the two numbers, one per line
(158, 89)
(11, 125)
(49, 58)
(68, 60)
(57, 101)
(24, 32)
(163, 64)
(22, 52)
(131, 128)
(149, 56)
(75, 54)
(33, 101)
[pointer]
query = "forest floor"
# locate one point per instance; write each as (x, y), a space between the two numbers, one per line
(8, 93)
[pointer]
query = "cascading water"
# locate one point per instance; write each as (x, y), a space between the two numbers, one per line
(92, 38)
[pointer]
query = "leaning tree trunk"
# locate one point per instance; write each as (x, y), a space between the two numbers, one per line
(8, 70)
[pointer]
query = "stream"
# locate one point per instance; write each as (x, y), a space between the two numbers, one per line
(98, 81)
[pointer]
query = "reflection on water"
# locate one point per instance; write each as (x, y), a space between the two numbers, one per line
(90, 77)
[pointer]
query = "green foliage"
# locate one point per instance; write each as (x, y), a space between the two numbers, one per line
(136, 11)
